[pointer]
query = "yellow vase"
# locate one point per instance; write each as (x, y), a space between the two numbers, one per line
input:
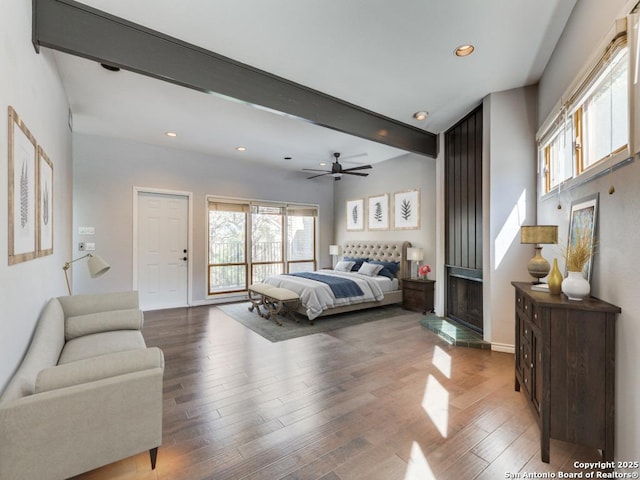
(554, 279)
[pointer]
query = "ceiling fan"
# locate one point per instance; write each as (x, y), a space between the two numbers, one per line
(337, 171)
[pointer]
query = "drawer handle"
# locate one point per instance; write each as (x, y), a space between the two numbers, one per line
(526, 307)
(531, 364)
(526, 356)
(535, 315)
(526, 331)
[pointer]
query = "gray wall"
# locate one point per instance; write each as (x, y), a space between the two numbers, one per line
(30, 83)
(107, 169)
(407, 172)
(615, 271)
(509, 190)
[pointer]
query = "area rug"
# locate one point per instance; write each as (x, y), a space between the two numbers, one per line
(289, 329)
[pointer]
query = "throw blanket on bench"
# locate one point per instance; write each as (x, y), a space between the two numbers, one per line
(341, 287)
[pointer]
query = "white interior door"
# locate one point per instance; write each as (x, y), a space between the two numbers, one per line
(162, 250)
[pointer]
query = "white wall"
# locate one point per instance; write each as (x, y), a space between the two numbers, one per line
(509, 192)
(30, 83)
(107, 169)
(615, 272)
(407, 172)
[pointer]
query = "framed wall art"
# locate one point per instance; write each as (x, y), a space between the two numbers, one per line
(45, 204)
(355, 214)
(22, 191)
(583, 221)
(378, 212)
(406, 210)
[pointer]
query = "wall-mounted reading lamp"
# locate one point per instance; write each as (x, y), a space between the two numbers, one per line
(96, 264)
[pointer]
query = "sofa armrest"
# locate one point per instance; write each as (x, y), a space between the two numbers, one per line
(98, 368)
(80, 325)
(63, 432)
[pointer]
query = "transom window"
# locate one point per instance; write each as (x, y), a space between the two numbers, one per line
(593, 124)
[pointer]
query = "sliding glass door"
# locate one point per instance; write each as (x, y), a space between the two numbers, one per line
(228, 265)
(250, 241)
(267, 229)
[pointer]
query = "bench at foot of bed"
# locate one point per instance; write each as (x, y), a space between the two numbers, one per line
(277, 301)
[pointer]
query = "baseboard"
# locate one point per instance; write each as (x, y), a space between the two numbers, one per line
(503, 347)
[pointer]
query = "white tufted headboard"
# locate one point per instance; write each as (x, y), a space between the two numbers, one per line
(383, 251)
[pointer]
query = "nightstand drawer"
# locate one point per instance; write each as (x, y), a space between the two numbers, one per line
(417, 294)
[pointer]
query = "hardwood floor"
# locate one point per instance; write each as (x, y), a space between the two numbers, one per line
(379, 401)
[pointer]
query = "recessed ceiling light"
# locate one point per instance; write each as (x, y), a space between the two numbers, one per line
(420, 115)
(241, 149)
(171, 134)
(322, 164)
(464, 50)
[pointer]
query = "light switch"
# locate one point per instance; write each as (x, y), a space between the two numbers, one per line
(86, 230)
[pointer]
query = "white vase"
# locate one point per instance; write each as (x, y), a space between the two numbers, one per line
(575, 286)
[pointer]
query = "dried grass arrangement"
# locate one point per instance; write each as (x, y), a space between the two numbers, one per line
(577, 255)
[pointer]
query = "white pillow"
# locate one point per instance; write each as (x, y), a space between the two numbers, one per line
(343, 266)
(370, 269)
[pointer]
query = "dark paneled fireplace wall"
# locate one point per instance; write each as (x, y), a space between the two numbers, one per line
(463, 223)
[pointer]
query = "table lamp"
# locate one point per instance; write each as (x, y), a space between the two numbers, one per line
(538, 266)
(416, 255)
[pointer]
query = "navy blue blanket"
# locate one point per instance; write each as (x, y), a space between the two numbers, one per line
(341, 287)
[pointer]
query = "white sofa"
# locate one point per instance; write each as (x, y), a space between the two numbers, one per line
(87, 393)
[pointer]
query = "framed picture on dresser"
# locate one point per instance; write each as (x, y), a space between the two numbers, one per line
(584, 221)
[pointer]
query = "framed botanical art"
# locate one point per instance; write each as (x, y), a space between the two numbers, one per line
(45, 204)
(355, 214)
(583, 222)
(378, 212)
(406, 210)
(22, 191)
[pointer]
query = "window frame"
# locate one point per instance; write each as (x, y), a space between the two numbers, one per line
(574, 107)
(247, 206)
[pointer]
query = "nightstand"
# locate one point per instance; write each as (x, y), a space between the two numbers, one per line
(417, 294)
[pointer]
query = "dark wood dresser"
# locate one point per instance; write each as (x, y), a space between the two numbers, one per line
(417, 294)
(565, 363)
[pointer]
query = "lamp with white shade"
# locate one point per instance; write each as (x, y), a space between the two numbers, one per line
(96, 265)
(414, 255)
(334, 251)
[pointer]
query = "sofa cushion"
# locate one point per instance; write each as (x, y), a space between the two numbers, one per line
(43, 352)
(98, 368)
(101, 344)
(81, 325)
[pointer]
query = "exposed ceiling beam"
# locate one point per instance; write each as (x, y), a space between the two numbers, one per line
(80, 30)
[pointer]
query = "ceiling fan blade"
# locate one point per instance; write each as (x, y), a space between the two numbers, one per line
(356, 173)
(315, 170)
(362, 167)
(321, 175)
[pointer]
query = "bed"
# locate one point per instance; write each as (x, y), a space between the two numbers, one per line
(317, 298)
